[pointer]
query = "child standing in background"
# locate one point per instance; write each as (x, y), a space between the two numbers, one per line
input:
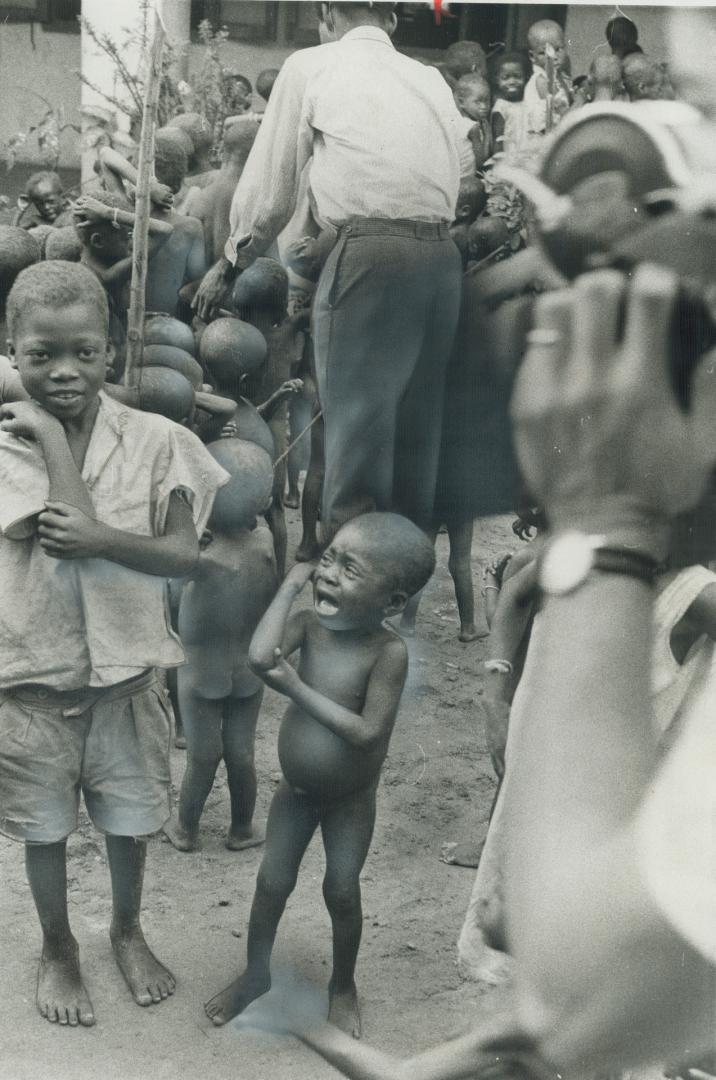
(508, 116)
(546, 46)
(220, 608)
(472, 97)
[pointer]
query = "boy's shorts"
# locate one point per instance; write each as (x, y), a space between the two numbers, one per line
(112, 744)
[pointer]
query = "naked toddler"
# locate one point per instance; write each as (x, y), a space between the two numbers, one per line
(344, 698)
(220, 607)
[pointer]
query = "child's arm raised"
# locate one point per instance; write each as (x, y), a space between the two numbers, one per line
(268, 409)
(364, 730)
(68, 528)
(277, 631)
(116, 168)
(28, 420)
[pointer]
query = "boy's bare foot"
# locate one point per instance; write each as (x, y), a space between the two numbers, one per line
(179, 837)
(291, 500)
(344, 1010)
(180, 742)
(234, 998)
(469, 632)
(149, 981)
(239, 840)
(61, 996)
(306, 552)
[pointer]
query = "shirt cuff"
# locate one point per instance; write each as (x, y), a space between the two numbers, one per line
(240, 251)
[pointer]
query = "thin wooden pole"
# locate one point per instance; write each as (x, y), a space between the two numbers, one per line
(145, 172)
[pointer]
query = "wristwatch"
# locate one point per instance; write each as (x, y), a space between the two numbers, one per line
(570, 557)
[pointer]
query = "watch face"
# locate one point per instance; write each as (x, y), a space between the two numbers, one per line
(566, 563)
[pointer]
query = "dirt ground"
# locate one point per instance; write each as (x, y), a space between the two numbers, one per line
(437, 786)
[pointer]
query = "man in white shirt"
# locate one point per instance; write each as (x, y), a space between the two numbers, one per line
(381, 133)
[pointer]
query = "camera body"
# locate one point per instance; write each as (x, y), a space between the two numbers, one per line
(631, 183)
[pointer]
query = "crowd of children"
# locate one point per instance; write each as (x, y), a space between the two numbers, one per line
(110, 491)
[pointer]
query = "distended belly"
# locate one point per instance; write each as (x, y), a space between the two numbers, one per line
(320, 763)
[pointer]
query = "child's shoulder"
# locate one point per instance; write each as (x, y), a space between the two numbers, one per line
(258, 545)
(149, 433)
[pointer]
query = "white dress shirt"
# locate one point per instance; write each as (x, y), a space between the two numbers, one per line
(382, 130)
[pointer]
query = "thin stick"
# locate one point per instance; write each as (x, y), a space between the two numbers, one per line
(145, 172)
(550, 69)
(298, 438)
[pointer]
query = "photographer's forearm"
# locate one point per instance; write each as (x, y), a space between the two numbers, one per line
(454, 1060)
(586, 754)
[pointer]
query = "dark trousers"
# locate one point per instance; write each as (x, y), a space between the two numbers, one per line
(385, 316)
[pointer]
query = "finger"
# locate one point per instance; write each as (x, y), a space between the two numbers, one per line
(547, 347)
(595, 321)
(55, 535)
(644, 359)
(53, 550)
(51, 522)
(63, 509)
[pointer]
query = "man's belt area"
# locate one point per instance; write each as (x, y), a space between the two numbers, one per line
(418, 230)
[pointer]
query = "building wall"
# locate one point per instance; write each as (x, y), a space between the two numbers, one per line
(32, 59)
(34, 62)
(586, 24)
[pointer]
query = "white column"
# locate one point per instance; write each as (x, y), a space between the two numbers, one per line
(176, 16)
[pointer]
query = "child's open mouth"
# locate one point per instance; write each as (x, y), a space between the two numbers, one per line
(324, 603)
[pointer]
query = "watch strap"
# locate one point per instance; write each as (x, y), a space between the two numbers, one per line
(621, 560)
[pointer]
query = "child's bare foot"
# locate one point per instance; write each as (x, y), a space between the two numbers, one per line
(61, 996)
(306, 552)
(180, 742)
(234, 998)
(149, 981)
(240, 839)
(177, 835)
(469, 632)
(344, 1010)
(291, 500)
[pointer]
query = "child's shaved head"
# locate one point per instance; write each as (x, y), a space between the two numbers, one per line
(543, 31)
(264, 286)
(464, 58)
(643, 78)
(107, 198)
(486, 236)
(197, 128)
(170, 160)
(471, 199)
(248, 492)
(472, 95)
(18, 250)
(55, 284)
(239, 137)
(64, 244)
(264, 82)
(398, 548)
